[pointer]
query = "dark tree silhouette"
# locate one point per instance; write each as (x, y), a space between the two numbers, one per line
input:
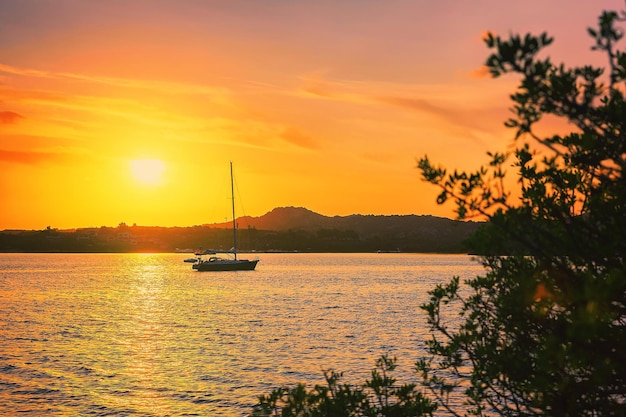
(544, 331)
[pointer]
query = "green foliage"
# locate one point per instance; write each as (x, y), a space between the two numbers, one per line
(378, 397)
(543, 333)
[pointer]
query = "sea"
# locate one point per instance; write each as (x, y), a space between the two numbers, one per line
(145, 335)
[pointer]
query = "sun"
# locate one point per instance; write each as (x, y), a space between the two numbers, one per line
(147, 171)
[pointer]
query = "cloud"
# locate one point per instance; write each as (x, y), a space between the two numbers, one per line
(319, 89)
(27, 157)
(9, 94)
(415, 104)
(446, 108)
(162, 86)
(474, 119)
(450, 102)
(296, 137)
(35, 150)
(480, 72)
(9, 117)
(346, 91)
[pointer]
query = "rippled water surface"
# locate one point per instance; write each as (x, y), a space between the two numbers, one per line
(145, 335)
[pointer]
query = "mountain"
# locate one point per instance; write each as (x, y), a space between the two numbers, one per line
(300, 218)
(282, 218)
(442, 233)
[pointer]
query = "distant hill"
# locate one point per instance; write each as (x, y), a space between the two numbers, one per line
(449, 233)
(282, 229)
(300, 218)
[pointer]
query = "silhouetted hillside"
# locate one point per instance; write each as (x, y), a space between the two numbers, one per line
(282, 229)
(285, 218)
(300, 218)
(410, 233)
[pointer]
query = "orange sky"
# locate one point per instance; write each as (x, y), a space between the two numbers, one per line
(321, 104)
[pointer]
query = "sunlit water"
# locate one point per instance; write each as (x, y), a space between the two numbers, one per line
(145, 335)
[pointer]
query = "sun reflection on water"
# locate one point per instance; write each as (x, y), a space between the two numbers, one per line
(145, 335)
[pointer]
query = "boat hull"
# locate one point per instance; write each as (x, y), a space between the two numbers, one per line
(226, 265)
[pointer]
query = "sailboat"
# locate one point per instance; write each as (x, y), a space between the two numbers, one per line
(216, 263)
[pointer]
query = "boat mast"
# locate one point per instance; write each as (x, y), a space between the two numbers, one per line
(232, 193)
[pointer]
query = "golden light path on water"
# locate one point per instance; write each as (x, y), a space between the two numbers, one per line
(145, 335)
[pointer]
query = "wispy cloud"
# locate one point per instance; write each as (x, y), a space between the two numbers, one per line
(155, 85)
(445, 106)
(480, 72)
(29, 157)
(9, 117)
(319, 87)
(298, 138)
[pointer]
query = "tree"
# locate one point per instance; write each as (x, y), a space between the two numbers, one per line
(543, 332)
(378, 397)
